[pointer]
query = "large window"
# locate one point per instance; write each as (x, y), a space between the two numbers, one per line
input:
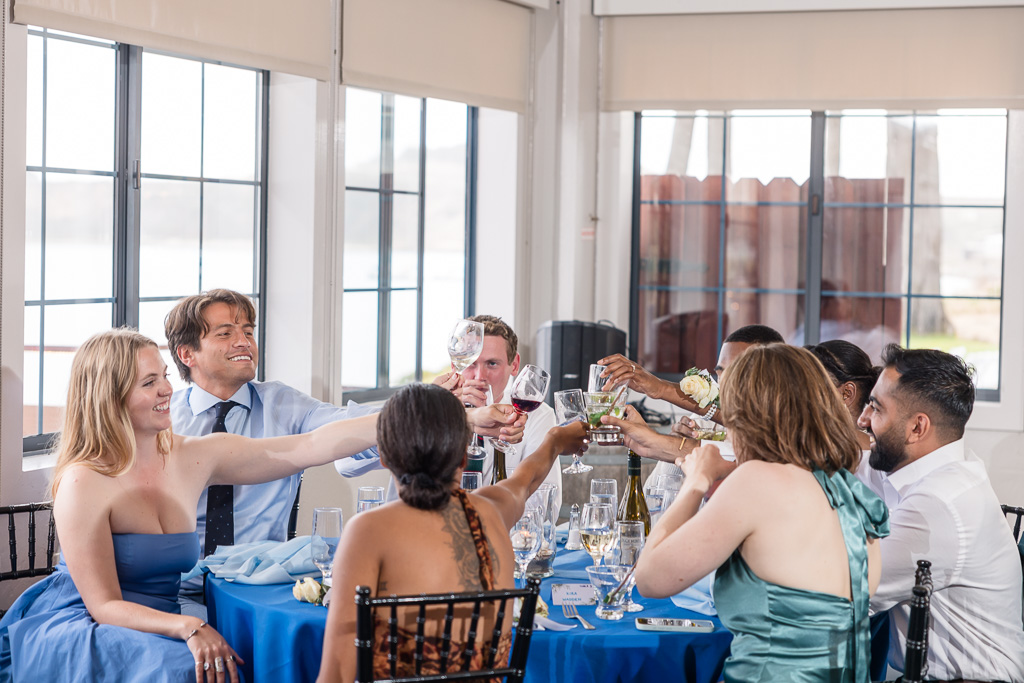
(408, 202)
(145, 183)
(870, 226)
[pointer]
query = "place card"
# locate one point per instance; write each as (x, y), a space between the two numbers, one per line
(573, 594)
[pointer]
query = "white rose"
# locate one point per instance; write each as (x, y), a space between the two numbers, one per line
(713, 393)
(697, 388)
(297, 590)
(307, 590)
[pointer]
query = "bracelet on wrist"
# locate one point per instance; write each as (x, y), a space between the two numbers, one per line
(711, 411)
(195, 631)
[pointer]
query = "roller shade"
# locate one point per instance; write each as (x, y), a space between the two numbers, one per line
(894, 59)
(292, 37)
(472, 51)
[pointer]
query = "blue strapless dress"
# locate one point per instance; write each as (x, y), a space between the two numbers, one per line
(788, 634)
(48, 635)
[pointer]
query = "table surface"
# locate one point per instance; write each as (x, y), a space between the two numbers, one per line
(290, 636)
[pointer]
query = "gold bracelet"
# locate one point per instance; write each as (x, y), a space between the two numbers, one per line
(195, 630)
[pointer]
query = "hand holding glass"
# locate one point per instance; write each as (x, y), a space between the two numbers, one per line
(323, 543)
(528, 392)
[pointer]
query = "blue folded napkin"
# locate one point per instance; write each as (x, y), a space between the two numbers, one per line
(259, 563)
(698, 597)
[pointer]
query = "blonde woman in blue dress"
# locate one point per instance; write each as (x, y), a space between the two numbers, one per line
(792, 533)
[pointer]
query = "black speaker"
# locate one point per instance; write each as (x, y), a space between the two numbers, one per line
(566, 349)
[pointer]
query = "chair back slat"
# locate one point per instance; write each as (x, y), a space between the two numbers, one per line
(470, 651)
(499, 623)
(513, 671)
(27, 512)
(421, 624)
(393, 640)
(1018, 513)
(916, 656)
(446, 637)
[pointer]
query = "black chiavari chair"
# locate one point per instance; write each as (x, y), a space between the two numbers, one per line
(16, 530)
(513, 671)
(916, 656)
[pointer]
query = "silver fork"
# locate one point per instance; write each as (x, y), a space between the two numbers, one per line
(570, 612)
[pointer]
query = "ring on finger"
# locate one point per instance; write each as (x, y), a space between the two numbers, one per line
(206, 666)
(632, 369)
(231, 658)
(218, 665)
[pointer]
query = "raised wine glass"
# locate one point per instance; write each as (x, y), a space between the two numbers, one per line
(323, 542)
(528, 392)
(527, 536)
(597, 529)
(465, 344)
(569, 407)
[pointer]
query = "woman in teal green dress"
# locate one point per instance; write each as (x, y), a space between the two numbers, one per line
(792, 533)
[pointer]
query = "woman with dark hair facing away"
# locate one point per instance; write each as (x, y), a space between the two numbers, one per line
(125, 491)
(792, 533)
(436, 538)
(852, 374)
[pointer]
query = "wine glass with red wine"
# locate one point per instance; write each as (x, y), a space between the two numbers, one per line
(528, 392)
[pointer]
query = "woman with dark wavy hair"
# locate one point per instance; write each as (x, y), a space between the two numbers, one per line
(436, 538)
(850, 369)
(792, 533)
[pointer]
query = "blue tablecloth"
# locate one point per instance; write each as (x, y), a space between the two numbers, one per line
(290, 637)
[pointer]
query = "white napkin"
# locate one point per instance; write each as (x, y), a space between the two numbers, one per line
(546, 623)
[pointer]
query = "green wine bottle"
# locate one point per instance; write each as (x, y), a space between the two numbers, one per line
(633, 507)
(499, 467)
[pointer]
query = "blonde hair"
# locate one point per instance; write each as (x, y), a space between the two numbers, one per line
(780, 406)
(97, 428)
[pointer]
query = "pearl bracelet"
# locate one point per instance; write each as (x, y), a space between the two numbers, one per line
(195, 631)
(711, 411)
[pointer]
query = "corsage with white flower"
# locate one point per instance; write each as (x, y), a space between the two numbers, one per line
(312, 591)
(702, 388)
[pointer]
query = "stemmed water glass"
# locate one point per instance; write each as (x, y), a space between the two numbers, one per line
(527, 536)
(324, 541)
(631, 542)
(569, 407)
(528, 392)
(465, 344)
(597, 529)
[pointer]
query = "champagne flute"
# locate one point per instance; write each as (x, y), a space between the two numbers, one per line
(597, 529)
(465, 344)
(569, 407)
(323, 543)
(528, 392)
(527, 536)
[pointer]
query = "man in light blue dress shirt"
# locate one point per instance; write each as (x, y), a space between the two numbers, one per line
(211, 338)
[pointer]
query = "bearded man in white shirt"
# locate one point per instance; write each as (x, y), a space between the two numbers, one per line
(942, 509)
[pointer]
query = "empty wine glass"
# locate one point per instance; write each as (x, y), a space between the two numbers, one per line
(528, 392)
(464, 346)
(569, 407)
(323, 543)
(527, 536)
(597, 529)
(543, 500)
(604, 491)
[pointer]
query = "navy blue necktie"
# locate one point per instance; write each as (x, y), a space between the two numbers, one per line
(220, 499)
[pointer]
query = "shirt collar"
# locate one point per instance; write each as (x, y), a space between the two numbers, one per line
(200, 400)
(954, 451)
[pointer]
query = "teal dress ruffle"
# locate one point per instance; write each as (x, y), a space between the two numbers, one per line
(789, 634)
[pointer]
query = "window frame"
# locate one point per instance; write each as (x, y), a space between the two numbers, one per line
(813, 254)
(385, 191)
(128, 175)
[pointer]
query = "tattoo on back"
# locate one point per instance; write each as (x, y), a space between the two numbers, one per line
(463, 549)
